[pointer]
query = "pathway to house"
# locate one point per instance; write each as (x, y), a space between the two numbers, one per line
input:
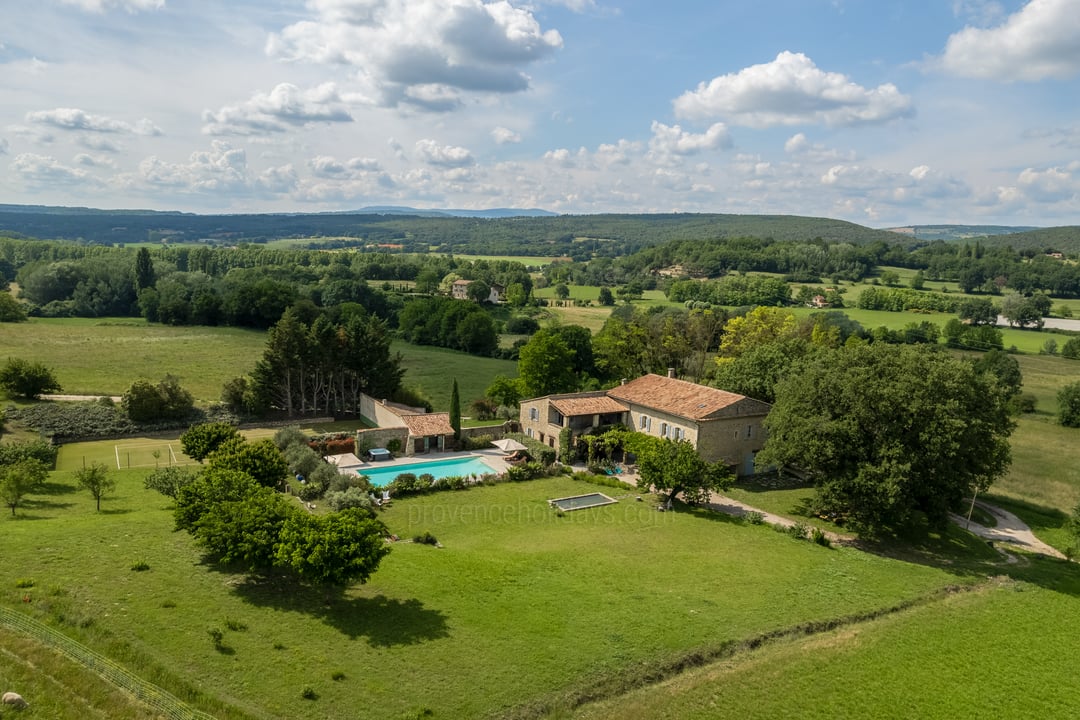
(1009, 529)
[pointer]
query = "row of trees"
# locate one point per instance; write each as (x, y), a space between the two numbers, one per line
(320, 367)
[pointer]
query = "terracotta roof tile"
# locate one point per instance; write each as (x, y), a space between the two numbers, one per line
(598, 405)
(430, 424)
(682, 398)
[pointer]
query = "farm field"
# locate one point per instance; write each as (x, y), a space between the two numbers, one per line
(103, 356)
(937, 661)
(520, 611)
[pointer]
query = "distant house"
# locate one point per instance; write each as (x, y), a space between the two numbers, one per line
(460, 291)
(819, 301)
(722, 426)
(1056, 255)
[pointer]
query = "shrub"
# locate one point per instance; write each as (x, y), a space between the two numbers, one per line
(24, 583)
(349, 498)
(394, 445)
(140, 566)
(40, 450)
(799, 531)
(27, 379)
(235, 625)
(426, 538)
(818, 537)
(337, 676)
(168, 603)
(753, 517)
(289, 436)
(309, 491)
(168, 480)
(1024, 403)
(524, 471)
(145, 401)
(216, 636)
(308, 693)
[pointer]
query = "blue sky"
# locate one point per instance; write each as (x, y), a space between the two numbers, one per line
(880, 112)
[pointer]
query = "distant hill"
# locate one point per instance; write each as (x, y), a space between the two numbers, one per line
(957, 232)
(1064, 239)
(489, 213)
(573, 235)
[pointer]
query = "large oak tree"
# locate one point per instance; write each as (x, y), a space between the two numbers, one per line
(888, 432)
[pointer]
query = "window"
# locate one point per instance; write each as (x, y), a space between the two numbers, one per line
(528, 431)
(749, 431)
(678, 433)
(534, 414)
(644, 420)
(663, 430)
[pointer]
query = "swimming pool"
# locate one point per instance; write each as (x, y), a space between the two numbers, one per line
(580, 502)
(462, 466)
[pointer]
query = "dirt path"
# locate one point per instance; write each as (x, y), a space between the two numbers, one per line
(79, 398)
(729, 506)
(1010, 529)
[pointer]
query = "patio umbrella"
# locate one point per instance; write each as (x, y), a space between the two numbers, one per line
(508, 445)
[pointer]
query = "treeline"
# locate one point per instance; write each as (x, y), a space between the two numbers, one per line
(736, 290)
(246, 286)
(577, 236)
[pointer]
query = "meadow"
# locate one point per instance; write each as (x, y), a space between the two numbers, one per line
(104, 356)
(520, 612)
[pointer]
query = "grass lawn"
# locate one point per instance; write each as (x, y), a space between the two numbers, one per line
(103, 356)
(432, 371)
(978, 654)
(520, 609)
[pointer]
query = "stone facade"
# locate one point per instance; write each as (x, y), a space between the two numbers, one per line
(722, 426)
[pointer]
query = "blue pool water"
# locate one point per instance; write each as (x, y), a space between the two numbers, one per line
(381, 477)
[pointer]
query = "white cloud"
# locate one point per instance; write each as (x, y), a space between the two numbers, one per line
(791, 90)
(222, 169)
(80, 120)
(277, 180)
(44, 170)
(283, 107)
(130, 6)
(3, 146)
(425, 53)
(325, 166)
(98, 143)
(800, 148)
(447, 156)
(1041, 40)
(93, 161)
(1052, 184)
(672, 140)
(502, 136)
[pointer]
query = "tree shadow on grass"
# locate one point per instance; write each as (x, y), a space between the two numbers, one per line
(961, 553)
(55, 488)
(382, 621)
(115, 511)
(45, 504)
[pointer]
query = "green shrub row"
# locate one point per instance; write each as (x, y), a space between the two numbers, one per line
(72, 421)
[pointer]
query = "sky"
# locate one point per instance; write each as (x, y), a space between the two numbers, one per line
(881, 112)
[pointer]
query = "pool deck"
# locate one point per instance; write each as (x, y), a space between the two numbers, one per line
(493, 457)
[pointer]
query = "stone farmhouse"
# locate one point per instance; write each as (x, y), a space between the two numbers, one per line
(722, 426)
(460, 291)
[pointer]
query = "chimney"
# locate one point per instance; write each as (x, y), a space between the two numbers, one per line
(671, 372)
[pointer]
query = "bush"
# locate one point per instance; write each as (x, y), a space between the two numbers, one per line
(394, 445)
(349, 498)
(337, 675)
(144, 401)
(1024, 403)
(22, 378)
(168, 480)
(40, 450)
(753, 517)
(235, 625)
(799, 531)
(309, 492)
(426, 539)
(524, 471)
(140, 566)
(308, 693)
(24, 583)
(818, 537)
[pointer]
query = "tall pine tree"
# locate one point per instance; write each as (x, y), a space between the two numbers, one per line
(455, 412)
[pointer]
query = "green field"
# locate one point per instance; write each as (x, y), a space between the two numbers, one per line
(520, 609)
(104, 356)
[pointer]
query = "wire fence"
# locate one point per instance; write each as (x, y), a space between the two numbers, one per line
(164, 703)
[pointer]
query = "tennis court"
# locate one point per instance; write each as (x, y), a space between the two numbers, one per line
(149, 453)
